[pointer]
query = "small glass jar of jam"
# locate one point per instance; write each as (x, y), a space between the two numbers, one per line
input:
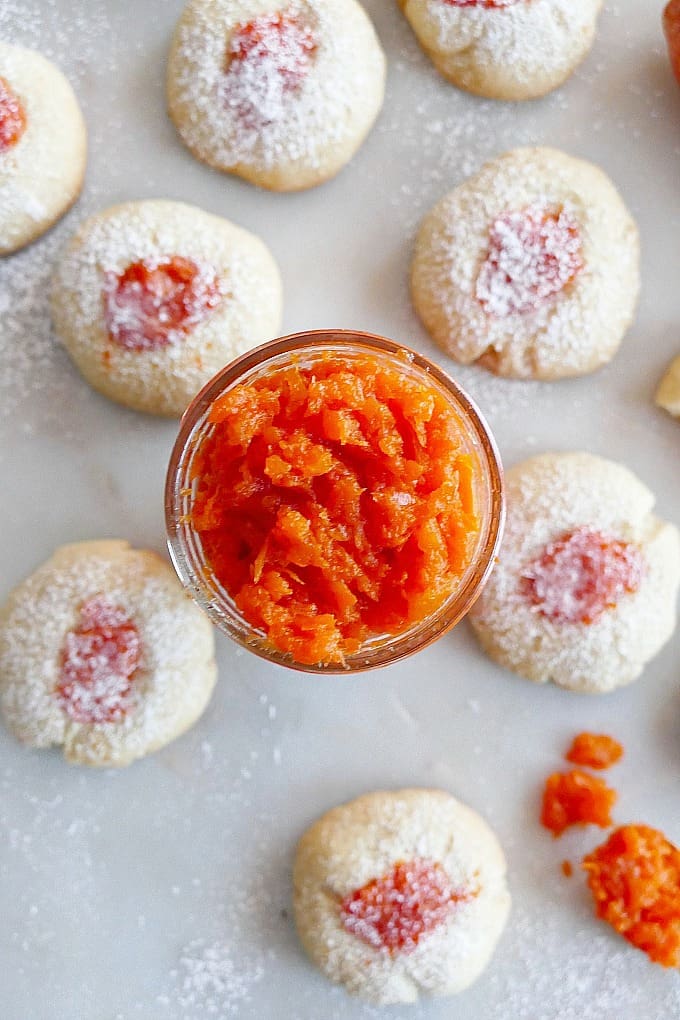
(334, 501)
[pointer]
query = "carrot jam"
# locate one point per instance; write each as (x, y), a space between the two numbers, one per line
(595, 750)
(335, 503)
(395, 911)
(635, 881)
(12, 117)
(576, 798)
(99, 660)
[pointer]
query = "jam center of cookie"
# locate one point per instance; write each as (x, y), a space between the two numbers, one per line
(267, 59)
(635, 881)
(152, 304)
(12, 117)
(98, 664)
(581, 575)
(395, 911)
(533, 254)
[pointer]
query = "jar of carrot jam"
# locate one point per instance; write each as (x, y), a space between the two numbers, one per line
(334, 501)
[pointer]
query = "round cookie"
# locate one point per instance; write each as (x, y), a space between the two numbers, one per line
(505, 49)
(530, 268)
(280, 93)
(398, 894)
(102, 653)
(151, 299)
(43, 146)
(584, 590)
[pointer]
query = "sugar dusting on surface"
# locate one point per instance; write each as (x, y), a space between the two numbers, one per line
(211, 983)
(33, 364)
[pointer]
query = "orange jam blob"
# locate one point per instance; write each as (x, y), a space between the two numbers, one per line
(576, 798)
(394, 912)
(335, 503)
(671, 27)
(635, 881)
(533, 255)
(12, 117)
(155, 303)
(567, 869)
(581, 575)
(267, 58)
(98, 662)
(595, 750)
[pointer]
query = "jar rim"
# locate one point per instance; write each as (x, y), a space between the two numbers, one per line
(216, 602)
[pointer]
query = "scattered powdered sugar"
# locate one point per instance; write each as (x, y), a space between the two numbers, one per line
(209, 982)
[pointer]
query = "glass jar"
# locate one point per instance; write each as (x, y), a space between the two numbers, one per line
(302, 349)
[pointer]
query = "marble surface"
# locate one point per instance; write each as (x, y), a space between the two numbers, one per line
(162, 892)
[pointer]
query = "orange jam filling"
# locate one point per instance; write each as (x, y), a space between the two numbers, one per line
(152, 304)
(394, 912)
(595, 750)
(576, 798)
(12, 117)
(267, 62)
(635, 881)
(581, 575)
(98, 662)
(335, 503)
(533, 255)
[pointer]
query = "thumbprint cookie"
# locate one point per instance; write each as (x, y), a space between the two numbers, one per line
(530, 268)
(103, 654)
(584, 591)
(152, 298)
